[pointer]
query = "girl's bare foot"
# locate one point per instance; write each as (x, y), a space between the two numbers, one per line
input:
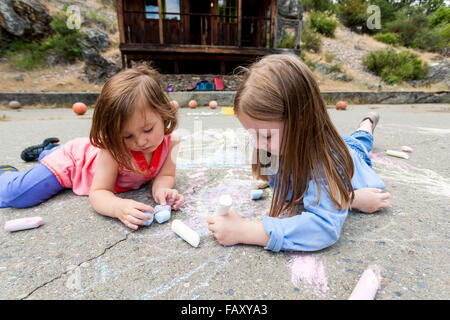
(370, 200)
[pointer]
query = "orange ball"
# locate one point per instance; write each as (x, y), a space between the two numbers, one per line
(213, 104)
(175, 104)
(79, 108)
(341, 105)
(193, 104)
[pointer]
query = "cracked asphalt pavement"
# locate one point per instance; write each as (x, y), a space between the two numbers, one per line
(79, 254)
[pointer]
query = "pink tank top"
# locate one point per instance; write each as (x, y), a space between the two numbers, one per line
(74, 166)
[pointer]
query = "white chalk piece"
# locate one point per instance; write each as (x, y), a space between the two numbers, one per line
(185, 232)
(22, 224)
(398, 154)
(224, 205)
(366, 288)
(256, 194)
(162, 216)
(407, 149)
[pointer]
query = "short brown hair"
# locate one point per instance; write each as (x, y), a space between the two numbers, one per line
(119, 98)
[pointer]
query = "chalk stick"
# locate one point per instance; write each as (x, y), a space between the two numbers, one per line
(366, 288)
(407, 149)
(224, 205)
(162, 216)
(256, 194)
(149, 222)
(189, 235)
(23, 224)
(398, 154)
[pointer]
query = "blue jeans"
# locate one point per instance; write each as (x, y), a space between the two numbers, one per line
(361, 141)
(26, 189)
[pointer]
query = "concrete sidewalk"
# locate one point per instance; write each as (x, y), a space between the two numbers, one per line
(79, 254)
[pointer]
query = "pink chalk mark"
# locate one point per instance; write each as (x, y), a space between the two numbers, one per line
(310, 270)
(366, 288)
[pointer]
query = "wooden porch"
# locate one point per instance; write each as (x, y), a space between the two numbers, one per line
(200, 34)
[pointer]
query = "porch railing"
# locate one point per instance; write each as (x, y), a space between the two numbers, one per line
(195, 29)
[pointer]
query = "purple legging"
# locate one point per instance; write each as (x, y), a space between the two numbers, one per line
(26, 189)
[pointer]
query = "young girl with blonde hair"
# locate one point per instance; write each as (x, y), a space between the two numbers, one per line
(313, 170)
(131, 143)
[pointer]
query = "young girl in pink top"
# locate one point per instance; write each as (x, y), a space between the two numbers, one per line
(131, 143)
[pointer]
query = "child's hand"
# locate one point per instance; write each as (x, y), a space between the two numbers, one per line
(168, 196)
(131, 213)
(370, 200)
(226, 228)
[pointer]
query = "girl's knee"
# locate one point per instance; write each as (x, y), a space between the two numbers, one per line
(9, 188)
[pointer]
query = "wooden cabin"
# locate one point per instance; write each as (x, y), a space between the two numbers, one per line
(197, 36)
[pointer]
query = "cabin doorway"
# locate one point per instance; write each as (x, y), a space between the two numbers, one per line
(200, 22)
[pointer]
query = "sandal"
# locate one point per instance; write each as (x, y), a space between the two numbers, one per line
(32, 153)
(374, 117)
(4, 169)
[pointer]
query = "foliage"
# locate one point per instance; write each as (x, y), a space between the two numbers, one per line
(352, 13)
(64, 43)
(389, 38)
(310, 39)
(395, 67)
(323, 23)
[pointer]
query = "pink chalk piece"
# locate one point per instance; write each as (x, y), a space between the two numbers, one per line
(22, 224)
(366, 288)
(407, 149)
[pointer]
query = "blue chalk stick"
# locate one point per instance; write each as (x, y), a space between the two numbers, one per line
(149, 222)
(162, 216)
(256, 194)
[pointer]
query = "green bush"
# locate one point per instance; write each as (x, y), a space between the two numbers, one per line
(25, 55)
(387, 10)
(429, 40)
(310, 39)
(63, 43)
(389, 38)
(444, 32)
(318, 5)
(323, 23)
(440, 16)
(404, 22)
(288, 41)
(352, 13)
(395, 67)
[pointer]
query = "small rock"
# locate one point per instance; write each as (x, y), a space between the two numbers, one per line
(19, 77)
(14, 104)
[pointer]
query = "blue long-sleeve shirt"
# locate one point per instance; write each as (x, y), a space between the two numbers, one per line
(319, 226)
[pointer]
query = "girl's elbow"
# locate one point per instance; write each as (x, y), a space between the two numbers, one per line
(332, 238)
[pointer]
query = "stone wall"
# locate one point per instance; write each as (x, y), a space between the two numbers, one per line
(225, 98)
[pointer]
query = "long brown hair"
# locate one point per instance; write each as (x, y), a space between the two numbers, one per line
(127, 90)
(280, 87)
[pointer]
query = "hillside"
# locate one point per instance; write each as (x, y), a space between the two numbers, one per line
(347, 49)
